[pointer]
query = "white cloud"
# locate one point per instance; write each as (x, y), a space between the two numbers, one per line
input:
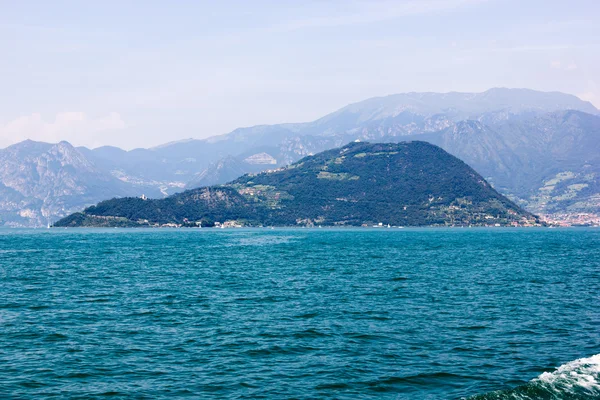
(73, 126)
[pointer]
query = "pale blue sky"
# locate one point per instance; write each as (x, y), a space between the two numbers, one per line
(142, 73)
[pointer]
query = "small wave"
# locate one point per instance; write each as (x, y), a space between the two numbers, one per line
(575, 380)
(10, 251)
(265, 240)
(471, 328)
(56, 337)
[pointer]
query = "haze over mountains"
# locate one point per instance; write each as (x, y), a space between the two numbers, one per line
(540, 149)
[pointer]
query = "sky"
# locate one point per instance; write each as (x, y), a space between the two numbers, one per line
(143, 73)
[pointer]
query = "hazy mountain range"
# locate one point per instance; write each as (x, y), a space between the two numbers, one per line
(540, 149)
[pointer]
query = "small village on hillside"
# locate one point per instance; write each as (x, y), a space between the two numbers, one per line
(572, 219)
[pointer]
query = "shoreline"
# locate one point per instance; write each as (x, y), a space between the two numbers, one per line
(340, 228)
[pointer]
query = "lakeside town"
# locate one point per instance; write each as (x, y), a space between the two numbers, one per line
(572, 219)
(552, 221)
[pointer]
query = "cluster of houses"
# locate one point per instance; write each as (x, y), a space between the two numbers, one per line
(572, 219)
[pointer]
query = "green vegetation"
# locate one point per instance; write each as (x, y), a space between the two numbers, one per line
(405, 184)
(338, 177)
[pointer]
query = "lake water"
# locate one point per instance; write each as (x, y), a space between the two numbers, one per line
(300, 313)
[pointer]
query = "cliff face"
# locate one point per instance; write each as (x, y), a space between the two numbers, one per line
(39, 181)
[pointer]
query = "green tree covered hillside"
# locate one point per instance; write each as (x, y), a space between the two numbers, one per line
(403, 184)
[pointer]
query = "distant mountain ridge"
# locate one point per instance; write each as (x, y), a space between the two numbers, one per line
(550, 162)
(536, 147)
(40, 181)
(406, 184)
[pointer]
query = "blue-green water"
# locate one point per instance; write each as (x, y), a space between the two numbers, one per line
(389, 313)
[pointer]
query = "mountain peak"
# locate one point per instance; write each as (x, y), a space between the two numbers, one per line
(495, 99)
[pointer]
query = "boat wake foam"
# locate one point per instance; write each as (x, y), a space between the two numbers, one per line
(575, 380)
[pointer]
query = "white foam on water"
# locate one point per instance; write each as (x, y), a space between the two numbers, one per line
(575, 377)
(575, 380)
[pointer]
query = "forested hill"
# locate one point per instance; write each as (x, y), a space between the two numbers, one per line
(403, 184)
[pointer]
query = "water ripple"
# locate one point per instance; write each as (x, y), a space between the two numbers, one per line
(415, 314)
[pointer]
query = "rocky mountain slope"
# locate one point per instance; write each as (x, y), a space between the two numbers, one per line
(407, 184)
(40, 182)
(549, 163)
(522, 141)
(177, 164)
(538, 148)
